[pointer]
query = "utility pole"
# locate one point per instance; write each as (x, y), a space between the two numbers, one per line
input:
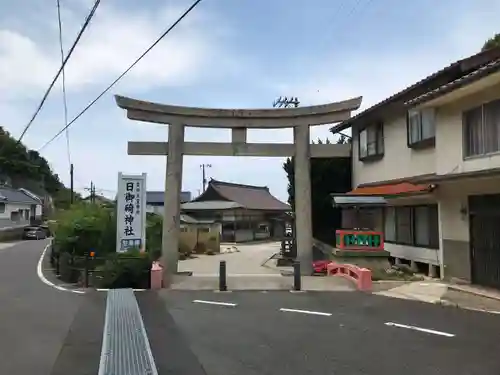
(285, 102)
(72, 197)
(92, 192)
(204, 176)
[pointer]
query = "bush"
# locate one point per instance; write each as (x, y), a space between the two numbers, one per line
(86, 227)
(67, 271)
(124, 270)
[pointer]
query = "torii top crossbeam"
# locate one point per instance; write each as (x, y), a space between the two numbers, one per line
(238, 118)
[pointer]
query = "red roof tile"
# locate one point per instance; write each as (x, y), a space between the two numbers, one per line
(402, 188)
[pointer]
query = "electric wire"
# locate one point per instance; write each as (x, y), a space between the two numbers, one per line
(63, 81)
(70, 52)
(122, 75)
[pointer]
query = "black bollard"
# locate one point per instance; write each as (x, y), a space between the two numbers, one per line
(296, 276)
(222, 276)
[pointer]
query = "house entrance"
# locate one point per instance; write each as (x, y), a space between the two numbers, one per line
(238, 120)
(484, 221)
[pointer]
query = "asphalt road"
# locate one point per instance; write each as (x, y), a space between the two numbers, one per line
(52, 332)
(351, 337)
(34, 318)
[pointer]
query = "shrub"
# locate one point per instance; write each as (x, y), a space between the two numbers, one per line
(124, 270)
(210, 252)
(67, 271)
(85, 227)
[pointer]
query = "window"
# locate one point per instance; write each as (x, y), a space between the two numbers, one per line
(404, 230)
(26, 214)
(482, 129)
(371, 142)
(203, 229)
(421, 127)
(412, 225)
(2, 208)
(390, 224)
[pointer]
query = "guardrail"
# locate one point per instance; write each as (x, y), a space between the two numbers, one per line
(362, 277)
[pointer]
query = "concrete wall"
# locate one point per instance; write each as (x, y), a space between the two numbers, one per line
(243, 235)
(192, 234)
(159, 210)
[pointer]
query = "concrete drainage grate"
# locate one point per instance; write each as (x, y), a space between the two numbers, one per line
(125, 346)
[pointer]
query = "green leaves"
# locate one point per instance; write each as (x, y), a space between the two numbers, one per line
(328, 176)
(492, 42)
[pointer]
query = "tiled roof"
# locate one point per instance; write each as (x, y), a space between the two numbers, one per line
(247, 196)
(158, 197)
(8, 194)
(477, 74)
(209, 206)
(191, 220)
(452, 72)
(402, 188)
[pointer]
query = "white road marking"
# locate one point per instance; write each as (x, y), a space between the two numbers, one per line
(426, 330)
(306, 312)
(215, 303)
(41, 276)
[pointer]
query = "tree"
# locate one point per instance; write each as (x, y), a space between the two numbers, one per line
(328, 176)
(492, 43)
(25, 168)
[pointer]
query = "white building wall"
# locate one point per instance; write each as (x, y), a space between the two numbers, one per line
(399, 160)
(5, 216)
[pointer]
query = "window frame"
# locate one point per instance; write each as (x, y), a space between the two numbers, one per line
(421, 142)
(378, 140)
(432, 228)
(485, 135)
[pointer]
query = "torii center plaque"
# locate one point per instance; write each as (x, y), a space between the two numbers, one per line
(238, 120)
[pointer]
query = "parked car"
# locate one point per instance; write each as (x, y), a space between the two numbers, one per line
(34, 233)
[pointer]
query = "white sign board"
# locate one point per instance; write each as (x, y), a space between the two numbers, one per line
(131, 213)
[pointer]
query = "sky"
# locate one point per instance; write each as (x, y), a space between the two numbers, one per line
(225, 54)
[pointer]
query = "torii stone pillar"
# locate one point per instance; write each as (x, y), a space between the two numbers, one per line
(238, 120)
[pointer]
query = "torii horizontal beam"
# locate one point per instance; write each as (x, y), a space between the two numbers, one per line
(238, 118)
(239, 149)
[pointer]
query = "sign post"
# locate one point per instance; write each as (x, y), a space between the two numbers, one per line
(131, 213)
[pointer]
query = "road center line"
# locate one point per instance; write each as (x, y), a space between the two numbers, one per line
(426, 330)
(215, 303)
(306, 312)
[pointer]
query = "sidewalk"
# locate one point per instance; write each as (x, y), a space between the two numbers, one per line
(437, 292)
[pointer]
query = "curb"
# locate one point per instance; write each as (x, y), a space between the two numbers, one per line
(446, 303)
(473, 292)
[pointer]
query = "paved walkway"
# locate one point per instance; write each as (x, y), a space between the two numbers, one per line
(246, 261)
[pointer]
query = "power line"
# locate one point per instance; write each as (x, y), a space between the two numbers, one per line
(70, 52)
(123, 74)
(63, 78)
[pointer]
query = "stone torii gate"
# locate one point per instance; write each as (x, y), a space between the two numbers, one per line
(238, 120)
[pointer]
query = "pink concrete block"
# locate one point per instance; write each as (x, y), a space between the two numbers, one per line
(365, 280)
(156, 275)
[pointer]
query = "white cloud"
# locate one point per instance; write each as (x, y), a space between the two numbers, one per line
(189, 55)
(115, 38)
